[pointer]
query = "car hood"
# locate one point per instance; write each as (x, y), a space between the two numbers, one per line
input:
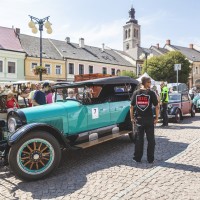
(47, 111)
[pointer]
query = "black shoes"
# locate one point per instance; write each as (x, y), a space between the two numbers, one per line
(163, 125)
(135, 160)
(139, 161)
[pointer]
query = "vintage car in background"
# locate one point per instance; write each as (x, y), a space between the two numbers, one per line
(196, 102)
(36, 135)
(180, 104)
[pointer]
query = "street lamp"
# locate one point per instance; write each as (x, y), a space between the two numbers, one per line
(41, 23)
(146, 55)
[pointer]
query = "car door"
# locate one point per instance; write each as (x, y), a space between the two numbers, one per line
(98, 115)
(186, 105)
(77, 119)
(118, 111)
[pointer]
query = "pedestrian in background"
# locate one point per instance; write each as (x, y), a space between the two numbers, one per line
(11, 102)
(141, 113)
(49, 95)
(39, 97)
(164, 98)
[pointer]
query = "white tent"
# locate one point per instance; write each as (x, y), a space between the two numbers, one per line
(146, 75)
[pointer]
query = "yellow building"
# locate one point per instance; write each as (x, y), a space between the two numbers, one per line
(51, 59)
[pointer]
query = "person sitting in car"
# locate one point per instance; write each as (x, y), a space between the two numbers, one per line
(11, 102)
(71, 94)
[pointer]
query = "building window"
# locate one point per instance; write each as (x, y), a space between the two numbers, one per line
(104, 71)
(11, 67)
(127, 46)
(48, 67)
(1, 66)
(134, 32)
(137, 34)
(58, 69)
(90, 69)
(71, 68)
(129, 33)
(81, 69)
(118, 72)
(33, 65)
(126, 34)
(139, 69)
(112, 71)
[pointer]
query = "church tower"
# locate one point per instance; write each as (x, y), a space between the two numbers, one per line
(131, 34)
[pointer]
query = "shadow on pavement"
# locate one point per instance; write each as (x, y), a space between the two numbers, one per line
(77, 165)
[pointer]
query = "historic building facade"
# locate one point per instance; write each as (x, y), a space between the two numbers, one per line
(12, 56)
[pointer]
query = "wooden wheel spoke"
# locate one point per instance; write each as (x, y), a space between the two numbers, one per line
(44, 149)
(37, 166)
(40, 147)
(31, 165)
(25, 158)
(43, 158)
(34, 146)
(42, 163)
(27, 163)
(25, 152)
(29, 148)
(46, 154)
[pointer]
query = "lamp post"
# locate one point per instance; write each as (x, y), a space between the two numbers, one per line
(41, 23)
(146, 55)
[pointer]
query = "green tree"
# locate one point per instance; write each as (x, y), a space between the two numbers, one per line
(162, 67)
(128, 73)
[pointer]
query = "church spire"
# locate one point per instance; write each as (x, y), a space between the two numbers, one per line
(132, 16)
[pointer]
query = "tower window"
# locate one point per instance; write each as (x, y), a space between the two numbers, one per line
(134, 32)
(126, 34)
(129, 33)
(127, 46)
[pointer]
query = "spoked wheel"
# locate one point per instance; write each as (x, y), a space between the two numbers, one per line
(35, 155)
(177, 116)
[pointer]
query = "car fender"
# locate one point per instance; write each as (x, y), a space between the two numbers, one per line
(173, 110)
(22, 131)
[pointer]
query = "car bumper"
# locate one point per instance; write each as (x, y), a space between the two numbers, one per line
(171, 116)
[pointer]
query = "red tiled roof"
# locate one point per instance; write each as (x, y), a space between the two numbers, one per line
(9, 40)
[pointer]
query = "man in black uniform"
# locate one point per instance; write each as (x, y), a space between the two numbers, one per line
(141, 113)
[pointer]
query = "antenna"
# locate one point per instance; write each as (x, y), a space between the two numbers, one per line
(131, 3)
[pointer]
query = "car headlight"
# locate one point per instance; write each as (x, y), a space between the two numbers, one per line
(12, 124)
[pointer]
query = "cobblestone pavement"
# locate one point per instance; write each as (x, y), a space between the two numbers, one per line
(106, 171)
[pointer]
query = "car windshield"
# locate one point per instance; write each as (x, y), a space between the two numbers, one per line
(63, 94)
(174, 97)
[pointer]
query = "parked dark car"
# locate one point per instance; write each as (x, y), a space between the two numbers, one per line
(180, 104)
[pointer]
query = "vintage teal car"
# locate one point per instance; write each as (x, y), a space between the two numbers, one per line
(196, 102)
(36, 135)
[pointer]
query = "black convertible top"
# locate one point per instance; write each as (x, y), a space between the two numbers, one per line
(118, 80)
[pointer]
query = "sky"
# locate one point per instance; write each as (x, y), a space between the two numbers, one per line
(101, 21)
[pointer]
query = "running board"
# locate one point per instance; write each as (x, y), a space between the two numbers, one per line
(101, 140)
